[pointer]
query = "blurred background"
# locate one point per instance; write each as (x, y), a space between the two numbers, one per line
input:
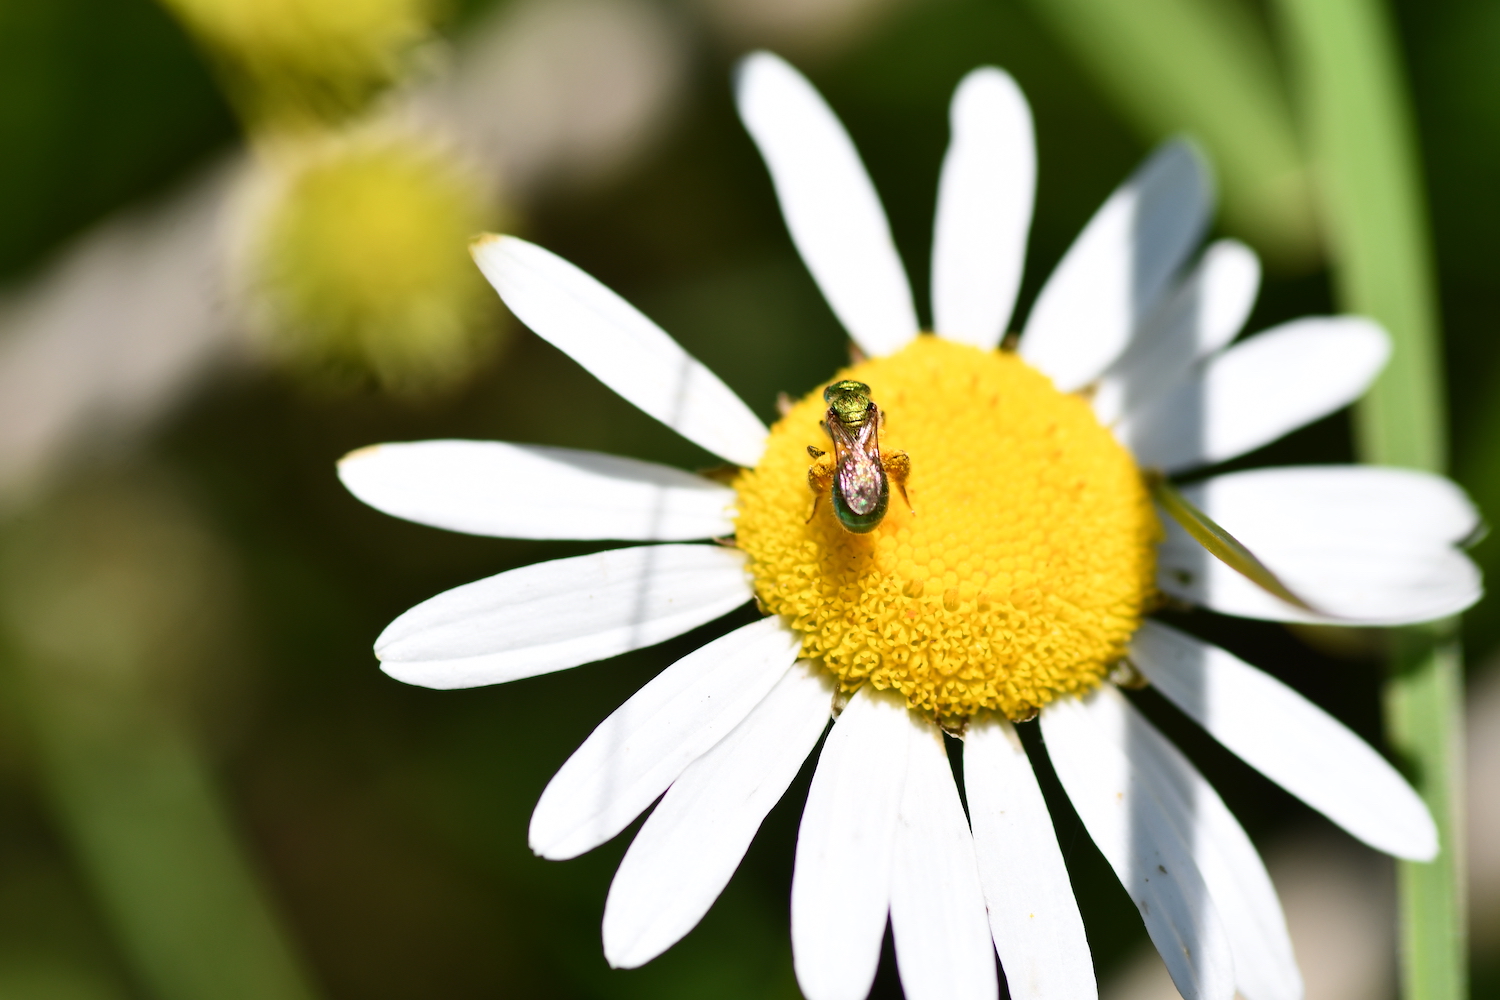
(232, 248)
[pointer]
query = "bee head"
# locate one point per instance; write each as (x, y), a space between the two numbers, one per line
(849, 400)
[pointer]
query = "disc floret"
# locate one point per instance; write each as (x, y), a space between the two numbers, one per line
(1024, 577)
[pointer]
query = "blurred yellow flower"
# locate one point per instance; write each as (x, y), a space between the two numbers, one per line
(359, 265)
(290, 60)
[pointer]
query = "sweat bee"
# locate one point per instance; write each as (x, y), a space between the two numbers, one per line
(855, 476)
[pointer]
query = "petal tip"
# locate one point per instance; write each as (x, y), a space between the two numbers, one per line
(1373, 339)
(397, 670)
(1185, 151)
(986, 78)
(1377, 331)
(1420, 845)
(1425, 854)
(551, 852)
(755, 62)
(534, 840)
(483, 242)
(420, 673)
(1182, 164)
(358, 454)
(619, 954)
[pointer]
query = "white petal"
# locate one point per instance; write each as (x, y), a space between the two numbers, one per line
(1257, 391)
(985, 196)
(1120, 810)
(943, 947)
(841, 887)
(620, 347)
(694, 839)
(638, 751)
(1365, 545)
(1112, 276)
(1232, 870)
(1289, 740)
(1201, 315)
(532, 491)
(560, 614)
(1357, 584)
(830, 206)
(1360, 501)
(1033, 914)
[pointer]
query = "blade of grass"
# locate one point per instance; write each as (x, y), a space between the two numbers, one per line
(1204, 67)
(115, 608)
(1362, 137)
(1425, 721)
(153, 838)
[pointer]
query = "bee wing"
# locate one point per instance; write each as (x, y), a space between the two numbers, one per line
(869, 434)
(843, 439)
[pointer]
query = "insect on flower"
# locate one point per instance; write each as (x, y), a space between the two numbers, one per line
(859, 479)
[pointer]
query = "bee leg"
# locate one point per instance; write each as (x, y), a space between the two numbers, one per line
(897, 468)
(819, 477)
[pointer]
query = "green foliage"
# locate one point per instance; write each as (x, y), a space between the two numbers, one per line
(102, 102)
(1206, 67)
(1365, 143)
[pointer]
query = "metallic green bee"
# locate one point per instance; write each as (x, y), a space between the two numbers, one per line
(856, 474)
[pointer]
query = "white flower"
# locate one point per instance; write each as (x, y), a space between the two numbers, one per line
(723, 731)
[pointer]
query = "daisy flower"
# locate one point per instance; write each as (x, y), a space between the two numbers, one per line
(1016, 585)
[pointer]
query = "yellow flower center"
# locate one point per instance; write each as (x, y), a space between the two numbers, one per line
(1022, 575)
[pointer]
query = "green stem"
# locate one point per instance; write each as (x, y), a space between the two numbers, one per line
(1424, 718)
(1363, 141)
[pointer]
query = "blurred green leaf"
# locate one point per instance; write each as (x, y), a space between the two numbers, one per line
(111, 598)
(1205, 67)
(1462, 133)
(1364, 141)
(1425, 723)
(102, 102)
(52, 980)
